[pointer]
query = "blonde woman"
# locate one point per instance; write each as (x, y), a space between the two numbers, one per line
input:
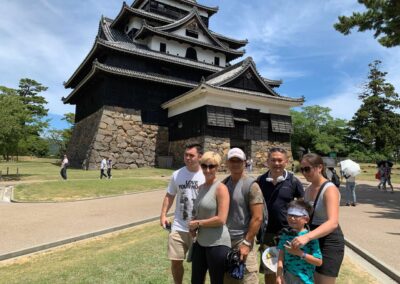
(324, 223)
(212, 236)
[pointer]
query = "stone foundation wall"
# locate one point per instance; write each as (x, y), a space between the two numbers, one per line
(259, 151)
(120, 134)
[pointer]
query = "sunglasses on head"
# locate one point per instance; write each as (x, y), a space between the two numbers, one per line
(210, 167)
(305, 169)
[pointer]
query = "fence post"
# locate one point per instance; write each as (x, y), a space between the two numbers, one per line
(7, 172)
(17, 171)
(0, 175)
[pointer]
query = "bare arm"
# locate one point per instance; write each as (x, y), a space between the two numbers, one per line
(166, 205)
(222, 196)
(331, 199)
(307, 257)
(279, 271)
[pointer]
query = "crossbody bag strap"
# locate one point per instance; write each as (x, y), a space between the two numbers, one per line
(316, 200)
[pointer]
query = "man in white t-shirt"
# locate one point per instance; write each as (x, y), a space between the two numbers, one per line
(184, 185)
(103, 168)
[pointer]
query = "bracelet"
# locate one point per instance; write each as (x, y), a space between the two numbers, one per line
(303, 256)
(246, 243)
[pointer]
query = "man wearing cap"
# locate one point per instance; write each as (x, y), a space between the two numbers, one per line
(279, 187)
(245, 214)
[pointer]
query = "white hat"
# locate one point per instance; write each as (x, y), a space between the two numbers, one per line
(236, 153)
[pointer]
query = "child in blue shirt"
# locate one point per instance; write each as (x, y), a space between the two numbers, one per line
(297, 265)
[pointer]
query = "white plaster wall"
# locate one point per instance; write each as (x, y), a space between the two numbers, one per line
(178, 49)
(135, 22)
(238, 102)
(202, 37)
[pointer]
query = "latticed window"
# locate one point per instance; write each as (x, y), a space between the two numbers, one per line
(220, 116)
(281, 124)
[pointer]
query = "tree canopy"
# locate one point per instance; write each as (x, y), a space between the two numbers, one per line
(382, 16)
(376, 123)
(317, 131)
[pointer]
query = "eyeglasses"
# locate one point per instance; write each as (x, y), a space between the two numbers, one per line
(305, 169)
(210, 167)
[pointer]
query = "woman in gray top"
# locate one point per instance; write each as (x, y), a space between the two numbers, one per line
(324, 223)
(208, 227)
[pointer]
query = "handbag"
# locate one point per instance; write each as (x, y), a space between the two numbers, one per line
(378, 175)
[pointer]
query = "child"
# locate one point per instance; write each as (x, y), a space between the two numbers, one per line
(297, 265)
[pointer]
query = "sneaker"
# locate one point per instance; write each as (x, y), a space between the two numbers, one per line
(347, 204)
(353, 204)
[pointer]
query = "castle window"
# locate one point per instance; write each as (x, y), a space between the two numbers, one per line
(192, 33)
(216, 60)
(163, 47)
(191, 53)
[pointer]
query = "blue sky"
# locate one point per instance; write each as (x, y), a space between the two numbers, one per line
(295, 41)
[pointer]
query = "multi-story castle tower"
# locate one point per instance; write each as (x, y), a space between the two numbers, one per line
(157, 78)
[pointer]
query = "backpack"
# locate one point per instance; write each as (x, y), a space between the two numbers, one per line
(247, 183)
(335, 178)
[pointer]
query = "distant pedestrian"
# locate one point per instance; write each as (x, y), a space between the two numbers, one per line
(249, 165)
(103, 167)
(64, 165)
(388, 174)
(350, 190)
(382, 177)
(109, 167)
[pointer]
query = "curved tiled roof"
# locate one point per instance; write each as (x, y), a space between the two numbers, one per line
(234, 71)
(97, 66)
(126, 45)
(210, 10)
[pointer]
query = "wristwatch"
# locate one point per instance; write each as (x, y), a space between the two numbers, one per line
(303, 256)
(246, 243)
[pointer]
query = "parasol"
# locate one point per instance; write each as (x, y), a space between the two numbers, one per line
(350, 168)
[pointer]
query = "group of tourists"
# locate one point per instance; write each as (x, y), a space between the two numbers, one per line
(217, 221)
(105, 166)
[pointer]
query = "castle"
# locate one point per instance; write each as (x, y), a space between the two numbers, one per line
(157, 78)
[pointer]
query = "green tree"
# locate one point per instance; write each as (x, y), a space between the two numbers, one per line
(382, 16)
(12, 118)
(316, 130)
(61, 138)
(376, 123)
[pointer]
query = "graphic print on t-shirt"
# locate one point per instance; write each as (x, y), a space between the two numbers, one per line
(188, 196)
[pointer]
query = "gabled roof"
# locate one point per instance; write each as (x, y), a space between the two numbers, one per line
(203, 87)
(210, 10)
(148, 30)
(126, 12)
(229, 74)
(99, 67)
(193, 15)
(124, 44)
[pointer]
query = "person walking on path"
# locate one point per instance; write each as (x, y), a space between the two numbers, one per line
(245, 214)
(279, 187)
(350, 190)
(209, 225)
(388, 176)
(109, 167)
(184, 186)
(297, 265)
(382, 178)
(103, 167)
(64, 165)
(324, 224)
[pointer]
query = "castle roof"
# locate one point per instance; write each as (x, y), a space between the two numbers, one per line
(116, 40)
(191, 3)
(231, 73)
(147, 30)
(98, 67)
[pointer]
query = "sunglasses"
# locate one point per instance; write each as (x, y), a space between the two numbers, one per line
(210, 167)
(305, 169)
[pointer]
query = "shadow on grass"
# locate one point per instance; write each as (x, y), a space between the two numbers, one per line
(14, 177)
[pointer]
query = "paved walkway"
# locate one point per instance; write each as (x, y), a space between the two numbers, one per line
(373, 225)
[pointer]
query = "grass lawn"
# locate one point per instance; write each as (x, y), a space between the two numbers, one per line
(39, 180)
(136, 255)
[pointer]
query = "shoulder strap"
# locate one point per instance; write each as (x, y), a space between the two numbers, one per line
(316, 200)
